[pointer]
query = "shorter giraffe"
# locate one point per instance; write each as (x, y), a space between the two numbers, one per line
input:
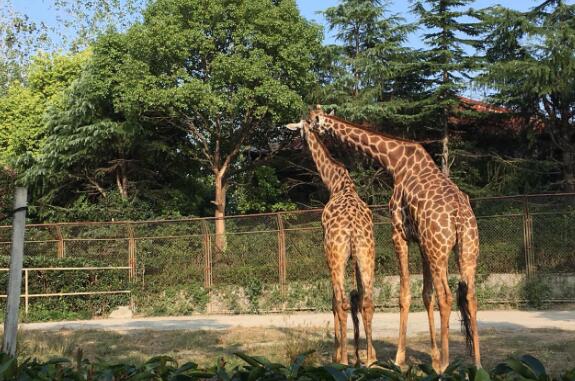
(348, 231)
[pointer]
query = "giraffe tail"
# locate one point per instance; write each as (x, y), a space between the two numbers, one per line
(462, 288)
(354, 300)
(465, 315)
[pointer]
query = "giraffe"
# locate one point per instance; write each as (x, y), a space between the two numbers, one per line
(348, 231)
(426, 207)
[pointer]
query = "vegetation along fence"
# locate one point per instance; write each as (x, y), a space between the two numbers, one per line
(275, 261)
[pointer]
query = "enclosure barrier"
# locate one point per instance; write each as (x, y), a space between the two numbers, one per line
(27, 295)
(280, 253)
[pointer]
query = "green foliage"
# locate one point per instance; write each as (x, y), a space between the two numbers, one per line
(253, 288)
(262, 192)
(532, 70)
(70, 307)
(188, 89)
(19, 37)
(22, 127)
(525, 368)
(536, 291)
(369, 67)
(172, 301)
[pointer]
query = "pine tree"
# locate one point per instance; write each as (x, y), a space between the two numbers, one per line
(447, 63)
(369, 60)
(531, 59)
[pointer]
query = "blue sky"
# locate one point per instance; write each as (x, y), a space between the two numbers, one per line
(40, 10)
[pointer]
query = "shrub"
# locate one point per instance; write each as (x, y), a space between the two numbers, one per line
(70, 307)
(525, 368)
(536, 291)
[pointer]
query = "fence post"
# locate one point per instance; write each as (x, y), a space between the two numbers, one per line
(282, 263)
(15, 275)
(527, 237)
(26, 292)
(207, 246)
(61, 243)
(131, 252)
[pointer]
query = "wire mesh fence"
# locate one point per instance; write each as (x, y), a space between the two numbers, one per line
(277, 254)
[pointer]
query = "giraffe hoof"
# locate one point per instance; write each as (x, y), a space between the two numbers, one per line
(400, 360)
(400, 365)
(436, 365)
(371, 362)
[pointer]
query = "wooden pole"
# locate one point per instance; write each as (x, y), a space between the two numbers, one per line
(61, 244)
(282, 266)
(15, 276)
(131, 252)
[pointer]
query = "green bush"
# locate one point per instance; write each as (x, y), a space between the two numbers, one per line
(536, 291)
(525, 368)
(173, 301)
(70, 307)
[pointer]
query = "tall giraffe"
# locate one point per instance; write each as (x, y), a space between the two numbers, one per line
(428, 208)
(348, 231)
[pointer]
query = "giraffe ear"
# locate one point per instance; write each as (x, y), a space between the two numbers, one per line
(318, 107)
(332, 113)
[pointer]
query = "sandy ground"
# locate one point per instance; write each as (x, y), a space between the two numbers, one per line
(547, 335)
(384, 324)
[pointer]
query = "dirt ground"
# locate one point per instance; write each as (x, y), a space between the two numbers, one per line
(555, 347)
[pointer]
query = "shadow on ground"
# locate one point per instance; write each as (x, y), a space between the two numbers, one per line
(556, 348)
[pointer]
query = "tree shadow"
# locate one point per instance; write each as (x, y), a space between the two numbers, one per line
(135, 346)
(568, 316)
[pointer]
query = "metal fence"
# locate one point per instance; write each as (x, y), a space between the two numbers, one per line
(519, 235)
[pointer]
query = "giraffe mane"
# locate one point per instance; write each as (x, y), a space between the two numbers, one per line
(363, 128)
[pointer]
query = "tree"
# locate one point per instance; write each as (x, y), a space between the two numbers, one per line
(22, 127)
(446, 65)
(95, 152)
(369, 78)
(226, 72)
(531, 68)
(195, 82)
(369, 66)
(77, 23)
(261, 191)
(81, 22)
(19, 38)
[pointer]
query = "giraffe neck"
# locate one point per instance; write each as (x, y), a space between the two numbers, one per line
(333, 174)
(396, 155)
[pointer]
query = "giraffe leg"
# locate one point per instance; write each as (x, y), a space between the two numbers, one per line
(340, 308)
(471, 300)
(336, 328)
(401, 250)
(444, 299)
(429, 302)
(366, 273)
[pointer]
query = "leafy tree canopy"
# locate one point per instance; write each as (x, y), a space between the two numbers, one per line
(532, 70)
(22, 126)
(195, 80)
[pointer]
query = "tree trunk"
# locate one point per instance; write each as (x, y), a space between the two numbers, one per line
(445, 148)
(220, 203)
(568, 170)
(122, 180)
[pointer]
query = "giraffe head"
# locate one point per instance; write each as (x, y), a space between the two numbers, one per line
(302, 126)
(315, 121)
(318, 119)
